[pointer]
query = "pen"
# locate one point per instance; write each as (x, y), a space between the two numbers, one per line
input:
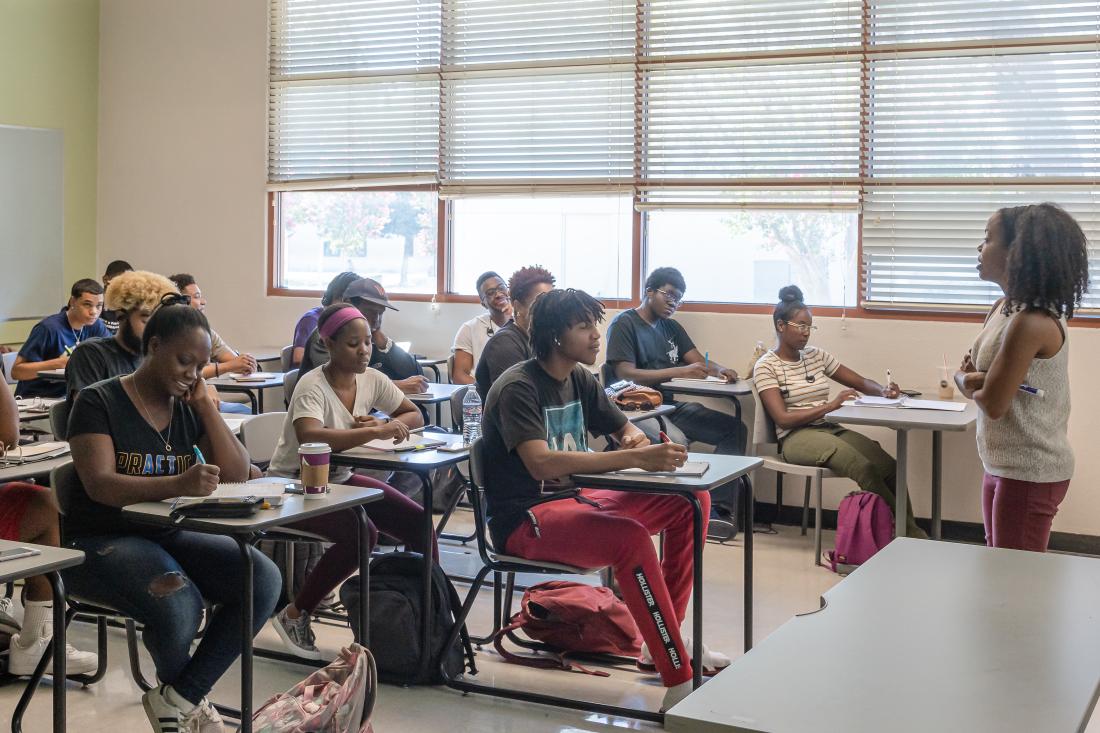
(68, 350)
(198, 454)
(1031, 390)
(414, 431)
(889, 379)
(706, 361)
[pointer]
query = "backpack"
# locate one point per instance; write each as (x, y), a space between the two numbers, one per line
(571, 618)
(395, 611)
(864, 526)
(638, 398)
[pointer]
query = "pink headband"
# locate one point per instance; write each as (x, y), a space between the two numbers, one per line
(337, 320)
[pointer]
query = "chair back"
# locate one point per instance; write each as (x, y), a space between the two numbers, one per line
(451, 369)
(284, 358)
(456, 406)
(64, 483)
(763, 428)
(477, 500)
(261, 433)
(9, 361)
(607, 374)
(289, 380)
(59, 419)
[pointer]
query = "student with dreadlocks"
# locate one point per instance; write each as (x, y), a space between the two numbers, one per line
(1018, 370)
(537, 419)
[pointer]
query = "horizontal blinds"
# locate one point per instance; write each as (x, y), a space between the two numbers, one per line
(693, 28)
(920, 244)
(955, 21)
(801, 197)
(522, 32)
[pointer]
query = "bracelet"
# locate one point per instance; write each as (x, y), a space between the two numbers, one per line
(217, 369)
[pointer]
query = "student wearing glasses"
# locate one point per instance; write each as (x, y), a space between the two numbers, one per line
(476, 332)
(647, 346)
(511, 344)
(793, 383)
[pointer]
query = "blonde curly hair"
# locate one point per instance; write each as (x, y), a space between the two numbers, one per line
(137, 290)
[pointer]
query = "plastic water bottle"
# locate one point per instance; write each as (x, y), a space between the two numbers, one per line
(471, 416)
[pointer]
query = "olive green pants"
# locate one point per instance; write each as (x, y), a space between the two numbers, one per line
(849, 454)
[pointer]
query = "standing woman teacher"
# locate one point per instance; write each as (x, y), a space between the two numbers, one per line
(1018, 370)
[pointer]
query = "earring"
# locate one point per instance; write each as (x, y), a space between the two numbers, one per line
(557, 343)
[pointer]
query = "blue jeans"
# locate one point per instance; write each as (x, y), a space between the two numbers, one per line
(161, 582)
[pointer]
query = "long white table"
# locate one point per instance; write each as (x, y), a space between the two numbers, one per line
(926, 636)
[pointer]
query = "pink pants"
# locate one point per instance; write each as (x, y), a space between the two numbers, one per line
(1018, 514)
(618, 533)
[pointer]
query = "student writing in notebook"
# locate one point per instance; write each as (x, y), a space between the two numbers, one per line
(475, 333)
(332, 405)
(793, 383)
(114, 269)
(53, 340)
(537, 420)
(133, 439)
(511, 344)
(1038, 255)
(647, 346)
(334, 293)
(28, 513)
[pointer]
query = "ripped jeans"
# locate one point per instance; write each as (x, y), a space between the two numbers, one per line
(161, 581)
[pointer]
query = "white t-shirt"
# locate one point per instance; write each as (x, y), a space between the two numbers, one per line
(474, 334)
(313, 397)
(803, 384)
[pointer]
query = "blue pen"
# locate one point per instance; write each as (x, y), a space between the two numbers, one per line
(198, 454)
(706, 361)
(1031, 390)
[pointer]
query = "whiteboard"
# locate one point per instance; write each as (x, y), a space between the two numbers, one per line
(31, 223)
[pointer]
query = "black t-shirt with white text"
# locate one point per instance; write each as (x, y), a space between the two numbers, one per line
(526, 404)
(106, 409)
(659, 346)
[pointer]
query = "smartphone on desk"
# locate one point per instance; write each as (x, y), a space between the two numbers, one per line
(18, 553)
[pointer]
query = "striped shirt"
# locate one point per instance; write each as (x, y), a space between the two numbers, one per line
(802, 383)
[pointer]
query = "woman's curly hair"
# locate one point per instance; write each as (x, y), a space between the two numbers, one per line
(1048, 261)
(137, 289)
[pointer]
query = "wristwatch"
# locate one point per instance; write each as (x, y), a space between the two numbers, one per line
(389, 345)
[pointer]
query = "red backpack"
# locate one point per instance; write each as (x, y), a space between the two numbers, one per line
(864, 525)
(572, 618)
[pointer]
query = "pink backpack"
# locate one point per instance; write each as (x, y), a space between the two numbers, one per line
(864, 525)
(336, 699)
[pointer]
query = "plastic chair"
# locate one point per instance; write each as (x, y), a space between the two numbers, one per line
(285, 357)
(9, 361)
(289, 380)
(766, 446)
(59, 419)
(260, 434)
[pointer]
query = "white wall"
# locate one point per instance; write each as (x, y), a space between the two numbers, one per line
(182, 145)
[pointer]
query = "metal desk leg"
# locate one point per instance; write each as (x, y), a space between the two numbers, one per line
(698, 541)
(901, 498)
(244, 543)
(937, 482)
(750, 509)
(364, 577)
(429, 612)
(57, 649)
(260, 400)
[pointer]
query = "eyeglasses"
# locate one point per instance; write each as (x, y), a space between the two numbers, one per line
(670, 298)
(802, 327)
(492, 292)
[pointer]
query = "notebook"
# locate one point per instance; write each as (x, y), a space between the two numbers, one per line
(38, 451)
(689, 469)
(254, 376)
(907, 403)
(706, 380)
(413, 442)
(264, 490)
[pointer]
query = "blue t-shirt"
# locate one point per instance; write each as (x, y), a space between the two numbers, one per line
(50, 338)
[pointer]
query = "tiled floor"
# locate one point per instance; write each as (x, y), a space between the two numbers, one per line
(787, 582)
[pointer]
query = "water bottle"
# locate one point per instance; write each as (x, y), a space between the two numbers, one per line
(471, 416)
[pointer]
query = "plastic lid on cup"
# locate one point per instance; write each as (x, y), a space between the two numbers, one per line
(314, 448)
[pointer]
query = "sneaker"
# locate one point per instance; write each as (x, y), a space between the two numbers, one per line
(204, 719)
(713, 662)
(23, 660)
(9, 625)
(164, 716)
(297, 634)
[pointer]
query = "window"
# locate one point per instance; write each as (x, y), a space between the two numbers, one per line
(583, 240)
(387, 235)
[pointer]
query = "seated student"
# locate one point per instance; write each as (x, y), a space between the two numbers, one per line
(792, 381)
(332, 405)
(133, 439)
(511, 344)
(537, 419)
(28, 514)
(133, 296)
(53, 339)
(476, 332)
(223, 358)
(648, 347)
(399, 365)
(114, 269)
(334, 293)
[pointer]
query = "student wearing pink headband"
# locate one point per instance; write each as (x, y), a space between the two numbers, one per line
(332, 405)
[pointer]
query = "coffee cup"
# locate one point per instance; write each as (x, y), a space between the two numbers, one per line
(314, 459)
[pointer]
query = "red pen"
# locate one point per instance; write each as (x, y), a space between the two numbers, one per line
(664, 438)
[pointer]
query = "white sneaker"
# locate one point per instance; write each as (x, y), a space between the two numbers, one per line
(204, 719)
(713, 662)
(167, 718)
(22, 661)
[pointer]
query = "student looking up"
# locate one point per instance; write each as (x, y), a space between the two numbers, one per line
(334, 293)
(793, 383)
(114, 269)
(475, 333)
(511, 344)
(223, 358)
(53, 339)
(1038, 256)
(647, 346)
(537, 420)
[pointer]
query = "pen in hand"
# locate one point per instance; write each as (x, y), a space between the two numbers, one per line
(198, 454)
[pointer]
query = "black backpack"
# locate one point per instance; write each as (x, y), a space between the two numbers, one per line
(395, 611)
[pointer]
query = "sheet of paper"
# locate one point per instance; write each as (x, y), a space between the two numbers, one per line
(413, 442)
(707, 380)
(691, 468)
(254, 376)
(871, 401)
(912, 404)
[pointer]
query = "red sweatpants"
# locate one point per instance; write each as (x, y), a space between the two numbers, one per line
(618, 533)
(1018, 514)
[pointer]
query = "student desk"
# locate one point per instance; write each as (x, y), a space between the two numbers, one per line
(53, 375)
(421, 463)
(723, 470)
(902, 420)
(436, 395)
(248, 529)
(49, 562)
(27, 413)
(433, 364)
(251, 388)
(732, 391)
(657, 413)
(926, 636)
(32, 469)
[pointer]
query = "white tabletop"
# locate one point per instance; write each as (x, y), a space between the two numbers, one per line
(740, 388)
(926, 636)
(900, 418)
(32, 469)
(722, 470)
(48, 559)
(636, 416)
(417, 461)
(436, 393)
(274, 380)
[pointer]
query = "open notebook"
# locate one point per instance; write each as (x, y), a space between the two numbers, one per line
(907, 403)
(691, 468)
(38, 451)
(234, 491)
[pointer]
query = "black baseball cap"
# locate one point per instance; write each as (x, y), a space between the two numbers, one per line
(369, 290)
